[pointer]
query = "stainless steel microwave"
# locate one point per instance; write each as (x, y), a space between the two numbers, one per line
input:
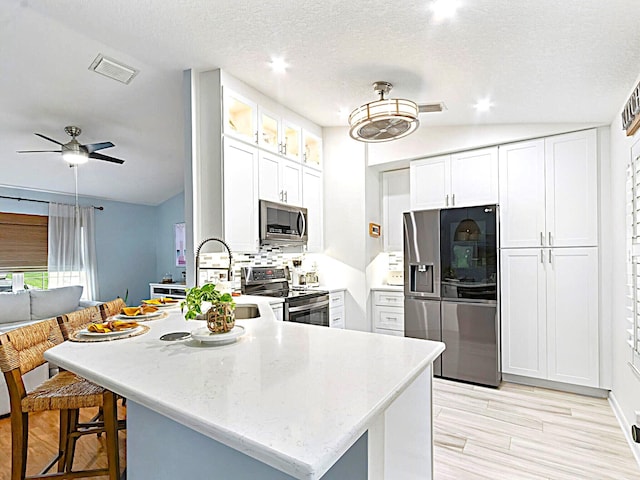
(282, 224)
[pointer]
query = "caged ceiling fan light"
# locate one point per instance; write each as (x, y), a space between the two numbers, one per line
(384, 119)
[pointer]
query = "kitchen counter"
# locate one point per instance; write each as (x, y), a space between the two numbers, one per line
(285, 397)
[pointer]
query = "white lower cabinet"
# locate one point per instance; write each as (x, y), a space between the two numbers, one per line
(549, 314)
(388, 312)
(336, 309)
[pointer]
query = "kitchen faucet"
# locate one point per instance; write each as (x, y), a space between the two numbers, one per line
(229, 271)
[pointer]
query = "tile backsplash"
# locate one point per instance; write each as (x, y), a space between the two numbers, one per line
(213, 266)
(396, 261)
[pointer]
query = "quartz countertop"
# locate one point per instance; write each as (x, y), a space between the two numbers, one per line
(293, 396)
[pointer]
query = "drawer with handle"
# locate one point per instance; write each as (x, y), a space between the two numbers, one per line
(389, 318)
(393, 299)
(336, 299)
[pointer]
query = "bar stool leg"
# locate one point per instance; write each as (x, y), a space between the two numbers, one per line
(71, 439)
(110, 410)
(63, 440)
(19, 442)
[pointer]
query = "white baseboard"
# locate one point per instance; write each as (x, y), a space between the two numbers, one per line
(625, 426)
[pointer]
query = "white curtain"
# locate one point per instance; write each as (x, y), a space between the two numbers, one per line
(72, 248)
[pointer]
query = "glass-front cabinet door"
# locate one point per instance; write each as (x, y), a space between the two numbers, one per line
(312, 150)
(240, 117)
(268, 131)
(291, 139)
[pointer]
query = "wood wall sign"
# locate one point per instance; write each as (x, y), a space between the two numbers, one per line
(631, 112)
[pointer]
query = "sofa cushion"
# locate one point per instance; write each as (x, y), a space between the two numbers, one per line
(55, 301)
(15, 306)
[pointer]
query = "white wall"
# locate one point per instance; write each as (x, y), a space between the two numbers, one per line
(626, 385)
(345, 237)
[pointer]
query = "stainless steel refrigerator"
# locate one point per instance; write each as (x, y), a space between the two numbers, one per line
(451, 289)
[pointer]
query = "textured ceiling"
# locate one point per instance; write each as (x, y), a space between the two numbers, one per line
(539, 62)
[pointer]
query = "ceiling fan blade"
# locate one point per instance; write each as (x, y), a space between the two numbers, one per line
(38, 151)
(431, 107)
(47, 138)
(92, 147)
(99, 156)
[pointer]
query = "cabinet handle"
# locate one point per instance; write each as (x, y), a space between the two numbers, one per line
(286, 196)
(550, 242)
(304, 156)
(453, 199)
(549, 257)
(284, 148)
(541, 239)
(281, 195)
(542, 256)
(256, 138)
(446, 200)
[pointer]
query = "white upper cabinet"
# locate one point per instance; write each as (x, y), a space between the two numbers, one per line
(459, 180)
(395, 201)
(280, 179)
(430, 180)
(291, 141)
(474, 177)
(312, 201)
(522, 197)
(312, 150)
(549, 191)
(240, 117)
(269, 131)
(240, 185)
(572, 189)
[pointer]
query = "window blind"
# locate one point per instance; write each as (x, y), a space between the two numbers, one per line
(23, 242)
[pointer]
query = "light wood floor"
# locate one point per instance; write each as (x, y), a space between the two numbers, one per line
(514, 433)
(520, 432)
(91, 451)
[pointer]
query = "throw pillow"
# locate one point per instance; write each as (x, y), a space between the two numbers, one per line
(14, 306)
(54, 302)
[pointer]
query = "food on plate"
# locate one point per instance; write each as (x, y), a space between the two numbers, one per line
(141, 310)
(161, 301)
(112, 326)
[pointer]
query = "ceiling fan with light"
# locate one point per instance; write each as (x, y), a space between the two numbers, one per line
(387, 118)
(74, 152)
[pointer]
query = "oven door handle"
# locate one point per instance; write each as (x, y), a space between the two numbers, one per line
(309, 308)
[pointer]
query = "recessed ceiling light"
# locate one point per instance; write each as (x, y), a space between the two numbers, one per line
(278, 65)
(444, 9)
(483, 105)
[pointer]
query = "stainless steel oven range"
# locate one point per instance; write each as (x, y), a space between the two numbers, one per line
(301, 306)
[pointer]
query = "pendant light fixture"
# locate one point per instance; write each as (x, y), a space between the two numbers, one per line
(384, 119)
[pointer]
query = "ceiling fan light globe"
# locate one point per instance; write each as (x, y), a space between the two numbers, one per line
(75, 158)
(384, 120)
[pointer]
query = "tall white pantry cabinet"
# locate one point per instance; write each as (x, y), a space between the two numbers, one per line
(549, 258)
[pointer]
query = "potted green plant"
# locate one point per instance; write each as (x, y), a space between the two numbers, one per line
(220, 316)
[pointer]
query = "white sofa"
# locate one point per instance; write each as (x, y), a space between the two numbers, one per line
(25, 307)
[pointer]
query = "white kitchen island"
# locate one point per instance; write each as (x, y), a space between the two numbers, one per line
(285, 401)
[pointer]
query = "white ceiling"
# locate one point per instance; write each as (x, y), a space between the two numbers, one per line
(544, 61)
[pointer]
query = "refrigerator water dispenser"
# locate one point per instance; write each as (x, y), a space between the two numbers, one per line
(421, 278)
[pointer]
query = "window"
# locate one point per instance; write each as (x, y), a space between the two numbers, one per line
(23, 251)
(633, 254)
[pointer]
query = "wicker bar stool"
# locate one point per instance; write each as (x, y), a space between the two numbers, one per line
(74, 321)
(21, 351)
(113, 307)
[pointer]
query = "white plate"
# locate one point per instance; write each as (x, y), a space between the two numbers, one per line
(207, 336)
(87, 333)
(122, 316)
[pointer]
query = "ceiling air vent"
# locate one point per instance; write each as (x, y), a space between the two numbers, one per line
(113, 69)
